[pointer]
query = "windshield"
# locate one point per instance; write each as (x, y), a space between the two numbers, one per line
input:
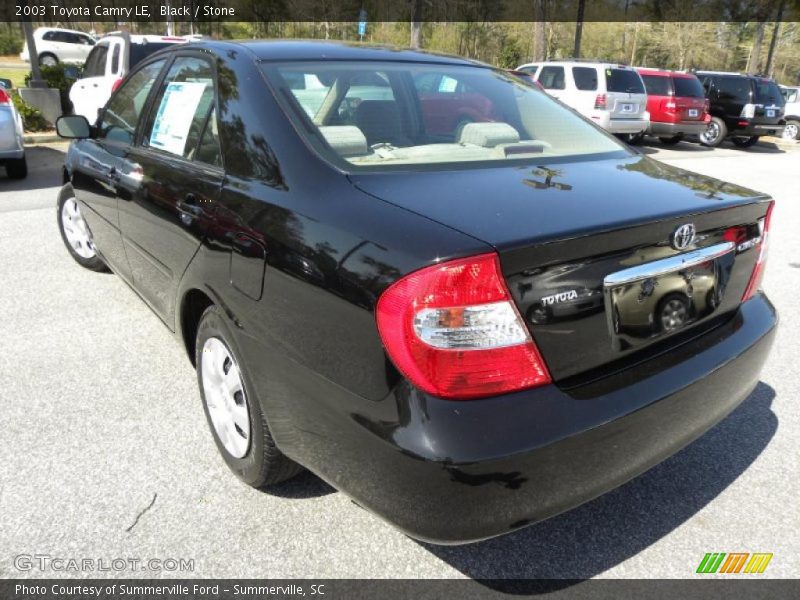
(624, 80)
(375, 115)
(689, 87)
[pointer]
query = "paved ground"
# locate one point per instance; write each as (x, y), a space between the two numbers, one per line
(100, 415)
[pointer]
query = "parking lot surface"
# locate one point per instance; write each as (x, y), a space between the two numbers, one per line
(105, 451)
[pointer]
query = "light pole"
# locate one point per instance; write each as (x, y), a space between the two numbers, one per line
(36, 80)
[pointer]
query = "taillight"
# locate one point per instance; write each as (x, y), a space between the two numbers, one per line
(116, 84)
(601, 102)
(4, 99)
(454, 332)
(758, 269)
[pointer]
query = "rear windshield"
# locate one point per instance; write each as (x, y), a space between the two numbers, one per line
(624, 80)
(688, 87)
(141, 51)
(767, 92)
(373, 115)
(657, 85)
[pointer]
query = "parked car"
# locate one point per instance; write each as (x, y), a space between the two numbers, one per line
(55, 45)
(357, 294)
(791, 96)
(111, 59)
(526, 76)
(677, 104)
(611, 95)
(12, 147)
(743, 108)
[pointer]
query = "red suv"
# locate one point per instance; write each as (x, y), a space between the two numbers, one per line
(677, 105)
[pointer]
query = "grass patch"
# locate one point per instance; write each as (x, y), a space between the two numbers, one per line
(15, 75)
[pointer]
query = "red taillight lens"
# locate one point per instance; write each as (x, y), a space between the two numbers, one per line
(601, 101)
(758, 269)
(115, 85)
(454, 332)
(4, 99)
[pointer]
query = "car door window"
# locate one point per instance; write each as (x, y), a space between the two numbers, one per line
(182, 108)
(96, 62)
(115, 59)
(118, 122)
(585, 78)
(208, 150)
(552, 78)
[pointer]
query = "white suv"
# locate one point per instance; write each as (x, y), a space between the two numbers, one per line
(113, 56)
(792, 112)
(611, 95)
(60, 45)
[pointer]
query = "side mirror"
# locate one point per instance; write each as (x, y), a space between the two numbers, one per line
(6, 83)
(74, 127)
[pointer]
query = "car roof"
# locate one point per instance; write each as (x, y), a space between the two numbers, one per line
(282, 50)
(46, 29)
(585, 63)
(664, 72)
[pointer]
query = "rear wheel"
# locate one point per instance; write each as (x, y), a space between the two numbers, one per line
(75, 233)
(232, 409)
(634, 139)
(745, 142)
(714, 133)
(671, 141)
(673, 312)
(792, 130)
(48, 60)
(17, 168)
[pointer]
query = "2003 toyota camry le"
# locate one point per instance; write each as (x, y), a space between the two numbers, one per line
(421, 278)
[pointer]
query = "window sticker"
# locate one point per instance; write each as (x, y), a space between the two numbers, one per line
(175, 115)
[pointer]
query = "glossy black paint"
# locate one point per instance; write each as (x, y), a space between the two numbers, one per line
(297, 252)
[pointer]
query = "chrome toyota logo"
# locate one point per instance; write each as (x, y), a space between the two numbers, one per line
(683, 236)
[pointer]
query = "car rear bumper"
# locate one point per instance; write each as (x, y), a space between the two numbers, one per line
(672, 129)
(754, 129)
(453, 472)
(625, 125)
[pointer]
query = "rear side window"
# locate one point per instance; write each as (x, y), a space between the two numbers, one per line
(585, 78)
(688, 87)
(96, 62)
(624, 80)
(733, 89)
(657, 85)
(552, 78)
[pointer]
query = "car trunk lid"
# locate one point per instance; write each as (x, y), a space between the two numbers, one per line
(569, 234)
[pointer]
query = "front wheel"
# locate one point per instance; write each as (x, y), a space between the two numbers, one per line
(232, 409)
(714, 133)
(792, 130)
(17, 168)
(75, 233)
(745, 142)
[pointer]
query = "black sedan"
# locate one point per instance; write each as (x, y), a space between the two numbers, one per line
(445, 293)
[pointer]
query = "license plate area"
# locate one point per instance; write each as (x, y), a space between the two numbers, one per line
(659, 298)
(627, 107)
(693, 112)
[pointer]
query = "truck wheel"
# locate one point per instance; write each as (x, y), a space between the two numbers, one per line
(792, 130)
(48, 60)
(745, 142)
(715, 133)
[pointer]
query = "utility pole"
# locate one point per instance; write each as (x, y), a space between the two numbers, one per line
(36, 80)
(576, 53)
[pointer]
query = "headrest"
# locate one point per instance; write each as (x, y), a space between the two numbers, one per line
(488, 135)
(347, 140)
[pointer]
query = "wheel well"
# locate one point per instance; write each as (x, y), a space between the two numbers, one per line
(194, 305)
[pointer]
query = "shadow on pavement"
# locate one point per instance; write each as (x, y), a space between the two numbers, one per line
(303, 486)
(44, 170)
(596, 536)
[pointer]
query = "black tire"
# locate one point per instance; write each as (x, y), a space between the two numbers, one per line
(48, 60)
(664, 305)
(671, 141)
(263, 464)
(94, 263)
(715, 134)
(17, 168)
(634, 139)
(745, 142)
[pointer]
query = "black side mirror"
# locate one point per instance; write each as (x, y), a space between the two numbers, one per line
(74, 127)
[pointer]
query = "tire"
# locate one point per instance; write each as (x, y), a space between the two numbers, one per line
(48, 60)
(75, 233)
(233, 411)
(634, 139)
(671, 141)
(792, 130)
(672, 313)
(716, 132)
(745, 142)
(17, 168)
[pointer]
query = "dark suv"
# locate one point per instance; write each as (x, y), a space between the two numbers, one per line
(743, 107)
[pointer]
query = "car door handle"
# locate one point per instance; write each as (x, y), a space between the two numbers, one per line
(190, 205)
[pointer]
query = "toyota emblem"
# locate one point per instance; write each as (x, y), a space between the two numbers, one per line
(683, 237)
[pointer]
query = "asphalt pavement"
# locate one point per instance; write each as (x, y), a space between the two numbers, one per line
(105, 451)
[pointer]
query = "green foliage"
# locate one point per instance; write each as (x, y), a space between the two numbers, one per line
(510, 53)
(32, 118)
(60, 77)
(10, 44)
